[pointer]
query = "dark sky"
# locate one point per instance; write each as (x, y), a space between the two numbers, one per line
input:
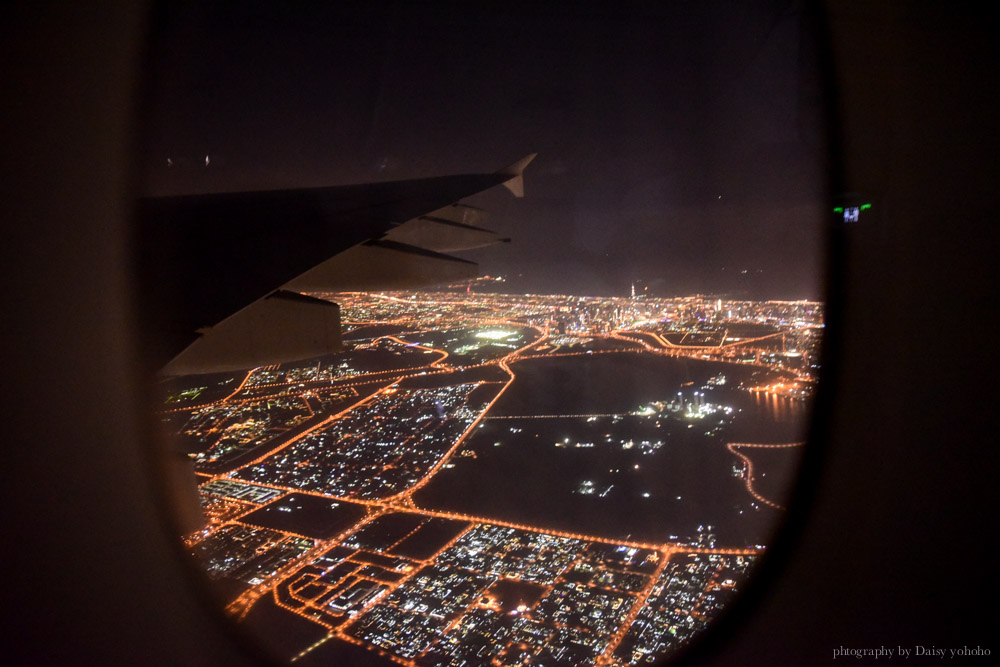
(678, 145)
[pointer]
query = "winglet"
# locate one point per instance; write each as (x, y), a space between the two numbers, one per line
(516, 181)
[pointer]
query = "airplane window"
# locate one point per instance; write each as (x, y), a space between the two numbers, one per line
(481, 335)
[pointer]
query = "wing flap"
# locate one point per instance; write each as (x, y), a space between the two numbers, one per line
(450, 229)
(282, 326)
(383, 265)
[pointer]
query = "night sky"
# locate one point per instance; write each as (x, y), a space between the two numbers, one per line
(679, 146)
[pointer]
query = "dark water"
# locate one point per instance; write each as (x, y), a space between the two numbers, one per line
(767, 418)
(617, 383)
(652, 492)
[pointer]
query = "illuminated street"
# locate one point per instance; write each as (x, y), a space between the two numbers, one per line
(414, 495)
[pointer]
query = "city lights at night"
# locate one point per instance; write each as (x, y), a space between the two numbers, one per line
(404, 496)
(578, 458)
(465, 334)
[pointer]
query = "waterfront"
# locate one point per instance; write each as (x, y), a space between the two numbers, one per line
(610, 471)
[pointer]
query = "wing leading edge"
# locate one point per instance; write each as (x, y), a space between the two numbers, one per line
(204, 257)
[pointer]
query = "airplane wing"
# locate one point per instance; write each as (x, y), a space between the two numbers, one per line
(221, 276)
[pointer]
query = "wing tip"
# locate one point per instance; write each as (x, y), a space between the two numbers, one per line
(516, 173)
(516, 168)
